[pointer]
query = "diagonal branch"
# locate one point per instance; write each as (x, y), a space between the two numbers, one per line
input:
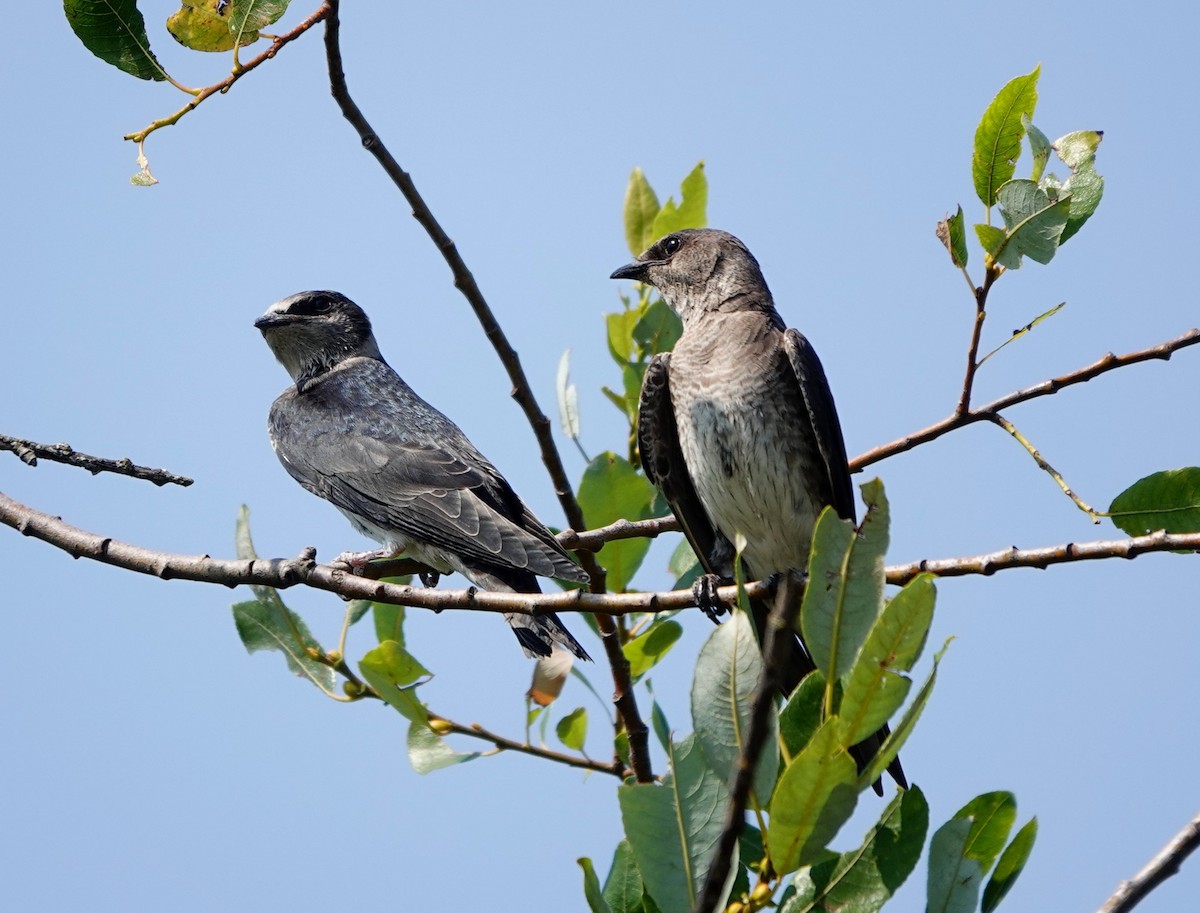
(31, 451)
(956, 420)
(464, 281)
(503, 743)
(1165, 864)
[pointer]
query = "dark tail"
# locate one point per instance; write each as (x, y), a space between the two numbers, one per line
(537, 634)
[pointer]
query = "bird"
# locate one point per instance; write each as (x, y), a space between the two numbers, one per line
(737, 425)
(351, 431)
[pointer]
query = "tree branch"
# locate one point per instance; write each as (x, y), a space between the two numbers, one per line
(1164, 864)
(475, 731)
(990, 274)
(282, 573)
(1109, 362)
(1044, 465)
(464, 281)
(225, 84)
(31, 451)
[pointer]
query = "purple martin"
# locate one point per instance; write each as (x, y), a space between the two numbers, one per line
(351, 431)
(737, 425)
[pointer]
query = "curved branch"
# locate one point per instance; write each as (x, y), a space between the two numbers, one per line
(1109, 362)
(225, 84)
(31, 451)
(1165, 864)
(474, 730)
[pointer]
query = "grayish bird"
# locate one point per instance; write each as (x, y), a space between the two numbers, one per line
(737, 425)
(353, 432)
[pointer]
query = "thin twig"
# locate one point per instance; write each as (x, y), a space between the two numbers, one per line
(964, 400)
(31, 451)
(464, 281)
(225, 84)
(1164, 864)
(1045, 466)
(1109, 362)
(282, 573)
(475, 731)
(775, 644)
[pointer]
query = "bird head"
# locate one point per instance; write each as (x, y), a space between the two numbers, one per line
(312, 332)
(699, 270)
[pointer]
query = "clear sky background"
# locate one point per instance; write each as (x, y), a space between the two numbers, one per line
(149, 763)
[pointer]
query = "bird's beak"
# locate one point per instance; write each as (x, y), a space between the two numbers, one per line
(269, 321)
(635, 271)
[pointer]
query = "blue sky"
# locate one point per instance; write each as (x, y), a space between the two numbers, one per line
(153, 764)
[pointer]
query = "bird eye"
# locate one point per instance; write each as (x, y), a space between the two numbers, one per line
(313, 306)
(672, 244)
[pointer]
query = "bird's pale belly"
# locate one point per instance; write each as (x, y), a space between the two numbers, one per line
(748, 470)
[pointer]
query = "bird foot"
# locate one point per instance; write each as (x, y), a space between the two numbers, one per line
(356, 562)
(704, 591)
(429, 578)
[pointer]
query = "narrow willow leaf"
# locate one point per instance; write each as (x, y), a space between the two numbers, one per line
(645, 650)
(801, 716)
(428, 751)
(954, 878)
(875, 689)
(394, 673)
(813, 798)
(1039, 147)
(662, 729)
(612, 490)
(389, 622)
(952, 232)
(198, 25)
(1017, 334)
(623, 889)
(1009, 868)
(568, 397)
(591, 887)
(1034, 223)
(691, 211)
(844, 592)
(673, 827)
(270, 625)
(641, 206)
(1167, 500)
(115, 31)
(998, 136)
(572, 729)
(864, 879)
(356, 609)
(728, 672)
(991, 816)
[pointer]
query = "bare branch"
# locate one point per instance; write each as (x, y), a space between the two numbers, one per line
(464, 281)
(474, 730)
(1164, 864)
(1109, 362)
(990, 274)
(225, 84)
(31, 451)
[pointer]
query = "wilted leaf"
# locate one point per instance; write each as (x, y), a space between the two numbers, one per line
(952, 232)
(1039, 147)
(568, 397)
(198, 25)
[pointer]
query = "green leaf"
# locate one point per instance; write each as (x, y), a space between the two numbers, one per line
(728, 672)
(991, 238)
(645, 650)
(673, 827)
(198, 25)
(620, 326)
(1009, 868)
(428, 751)
(864, 879)
(683, 565)
(1167, 500)
(813, 798)
(612, 490)
(389, 622)
(251, 15)
(591, 887)
(267, 624)
(998, 136)
(952, 232)
(356, 609)
(1033, 221)
(1078, 148)
(691, 211)
(874, 689)
(991, 816)
(623, 889)
(662, 729)
(1039, 148)
(895, 741)
(394, 674)
(845, 584)
(658, 329)
(954, 878)
(802, 715)
(641, 206)
(115, 31)
(1086, 187)
(572, 729)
